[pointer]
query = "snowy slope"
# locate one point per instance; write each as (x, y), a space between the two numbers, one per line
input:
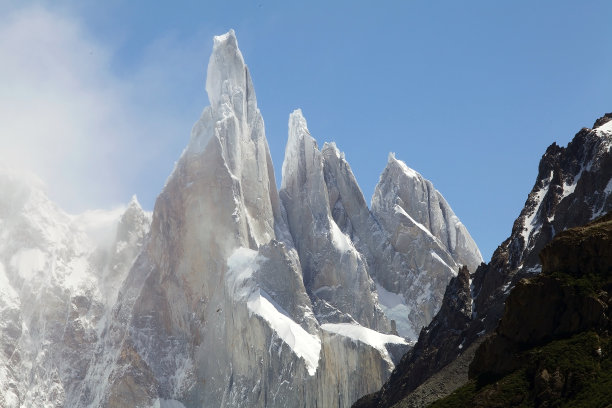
(59, 275)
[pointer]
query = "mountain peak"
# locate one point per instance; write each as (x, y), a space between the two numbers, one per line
(227, 75)
(229, 37)
(297, 125)
(134, 203)
(299, 145)
(394, 162)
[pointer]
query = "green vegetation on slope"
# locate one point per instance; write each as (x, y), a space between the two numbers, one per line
(553, 345)
(575, 372)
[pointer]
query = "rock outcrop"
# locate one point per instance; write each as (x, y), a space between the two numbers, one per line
(555, 332)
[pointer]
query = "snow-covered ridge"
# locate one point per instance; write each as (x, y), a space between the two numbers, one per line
(605, 129)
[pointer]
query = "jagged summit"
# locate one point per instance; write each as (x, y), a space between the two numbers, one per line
(605, 119)
(337, 277)
(134, 202)
(402, 192)
(227, 74)
(393, 161)
(299, 149)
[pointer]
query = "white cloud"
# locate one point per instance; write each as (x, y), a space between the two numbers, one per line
(86, 131)
(58, 105)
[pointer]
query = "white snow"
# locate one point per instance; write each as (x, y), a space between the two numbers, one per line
(534, 269)
(334, 148)
(399, 210)
(530, 221)
(607, 191)
(606, 128)
(242, 266)
(362, 334)
(608, 188)
(426, 293)
(407, 170)
(79, 274)
(28, 262)
(303, 344)
(437, 258)
(8, 295)
(395, 308)
(339, 239)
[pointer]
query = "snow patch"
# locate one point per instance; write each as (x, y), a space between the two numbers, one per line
(303, 344)
(439, 259)
(605, 129)
(243, 264)
(531, 223)
(606, 193)
(608, 188)
(568, 188)
(399, 210)
(534, 269)
(339, 239)
(358, 333)
(395, 308)
(8, 295)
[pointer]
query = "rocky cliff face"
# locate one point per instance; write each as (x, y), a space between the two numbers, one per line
(230, 294)
(573, 186)
(425, 243)
(229, 303)
(335, 273)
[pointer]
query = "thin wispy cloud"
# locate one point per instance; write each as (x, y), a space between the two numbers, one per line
(66, 116)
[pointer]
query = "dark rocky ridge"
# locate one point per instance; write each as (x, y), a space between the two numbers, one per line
(603, 120)
(553, 340)
(584, 165)
(572, 295)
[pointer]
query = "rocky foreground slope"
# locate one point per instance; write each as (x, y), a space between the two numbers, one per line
(232, 293)
(552, 346)
(573, 186)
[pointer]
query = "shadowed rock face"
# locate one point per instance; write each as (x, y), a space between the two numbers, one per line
(572, 296)
(573, 187)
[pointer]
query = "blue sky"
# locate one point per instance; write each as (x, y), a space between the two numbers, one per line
(98, 98)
